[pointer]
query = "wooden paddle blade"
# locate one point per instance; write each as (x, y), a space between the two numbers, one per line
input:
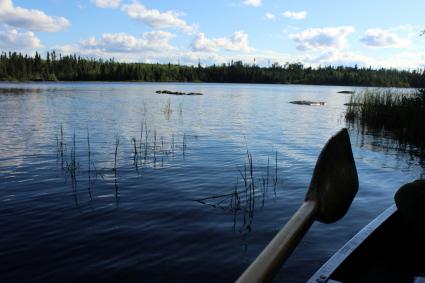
(334, 182)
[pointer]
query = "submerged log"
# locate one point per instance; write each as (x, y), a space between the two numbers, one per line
(309, 103)
(177, 92)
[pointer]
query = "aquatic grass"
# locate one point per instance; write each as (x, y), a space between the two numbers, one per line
(89, 163)
(57, 150)
(275, 178)
(145, 107)
(135, 154)
(167, 110)
(181, 108)
(117, 143)
(146, 143)
(147, 149)
(62, 148)
(154, 147)
(141, 137)
(235, 202)
(399, 112)
(249, 189)
(184, 145)
(72, 166)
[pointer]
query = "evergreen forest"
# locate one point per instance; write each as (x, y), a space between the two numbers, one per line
(20, 67)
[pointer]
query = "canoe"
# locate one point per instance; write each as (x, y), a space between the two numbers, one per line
(383, 251)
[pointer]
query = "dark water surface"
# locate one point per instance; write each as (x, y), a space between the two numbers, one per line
(167, 213)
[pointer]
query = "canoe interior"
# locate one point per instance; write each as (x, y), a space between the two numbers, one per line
(392, 253)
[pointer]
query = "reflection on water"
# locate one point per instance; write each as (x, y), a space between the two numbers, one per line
(379, 139)
(111, 181)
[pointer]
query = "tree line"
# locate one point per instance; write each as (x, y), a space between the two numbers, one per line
(19, 67)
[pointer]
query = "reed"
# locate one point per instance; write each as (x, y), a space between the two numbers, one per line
(117, 143)
(167, 110)
(275, 176)
(184, 145)
(146, 143)
(62, 148)
(73, 165)
(242, 199)
(141, 137)
(399, 112)
(135, 154)
(57, 150)
(154, 147)
(235, 202)
(181, 108)
(89, 163)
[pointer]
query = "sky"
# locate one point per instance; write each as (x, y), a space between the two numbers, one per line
(373, 33)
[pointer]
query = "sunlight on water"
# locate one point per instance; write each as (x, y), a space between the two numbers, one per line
(166, 192)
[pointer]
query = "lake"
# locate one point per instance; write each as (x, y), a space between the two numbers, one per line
(114, 182)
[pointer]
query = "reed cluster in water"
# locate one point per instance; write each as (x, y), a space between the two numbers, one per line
(146, 150)
(401, 113)
(250, 191)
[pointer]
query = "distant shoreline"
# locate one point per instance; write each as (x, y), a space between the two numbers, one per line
(16, 67)
(200, 82)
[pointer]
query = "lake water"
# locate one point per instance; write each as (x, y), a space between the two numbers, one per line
(161, 205)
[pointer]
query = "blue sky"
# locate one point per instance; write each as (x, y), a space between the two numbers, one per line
(315, 32)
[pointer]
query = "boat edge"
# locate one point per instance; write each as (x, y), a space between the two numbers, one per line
(325, 271)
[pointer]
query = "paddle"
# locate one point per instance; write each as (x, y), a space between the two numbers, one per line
(332, 189)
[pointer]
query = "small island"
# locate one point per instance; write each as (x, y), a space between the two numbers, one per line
(346, 91)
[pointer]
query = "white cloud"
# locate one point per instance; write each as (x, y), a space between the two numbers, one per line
(156, 19)
(237, 42)
(295, 15)
(338, 58)
(410, 31)
(322, 38)
(407, 60)
(11, 39)
(404, 60)
(383, 38)
(254, 3)
(155, 46)
(122, 42)
(270, 16)
(107, 3)
(150, 47)
(31, 19)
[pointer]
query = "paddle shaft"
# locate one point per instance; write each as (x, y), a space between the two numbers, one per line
(268, 263)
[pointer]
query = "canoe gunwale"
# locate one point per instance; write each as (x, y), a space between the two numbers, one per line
(325, 271)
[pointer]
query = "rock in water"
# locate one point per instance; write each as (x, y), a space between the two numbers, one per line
(177, 92)
(309, 103)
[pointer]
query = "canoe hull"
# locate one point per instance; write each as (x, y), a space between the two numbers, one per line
(384, 251)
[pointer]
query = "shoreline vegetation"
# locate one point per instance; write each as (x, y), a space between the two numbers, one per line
(55, 67)
(398, 112)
